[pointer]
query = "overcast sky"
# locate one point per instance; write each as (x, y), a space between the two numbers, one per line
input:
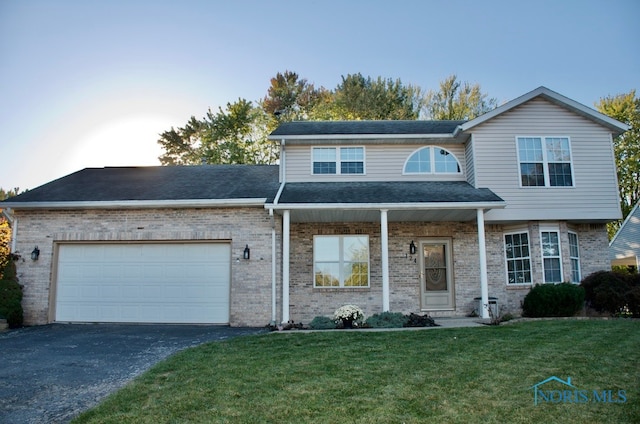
(93, 83)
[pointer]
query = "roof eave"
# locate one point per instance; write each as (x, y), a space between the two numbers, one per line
(360, 136)
(138, 204)
(390, 206)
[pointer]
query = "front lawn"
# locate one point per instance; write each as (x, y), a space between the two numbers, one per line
(456, 375)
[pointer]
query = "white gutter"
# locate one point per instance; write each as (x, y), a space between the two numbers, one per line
(13, 223)
(360, 136)
(392, 206)
(137, 204)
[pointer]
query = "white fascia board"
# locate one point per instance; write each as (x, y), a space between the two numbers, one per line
(320, 137)
(389, 206)
(139, 204)
(616, 126)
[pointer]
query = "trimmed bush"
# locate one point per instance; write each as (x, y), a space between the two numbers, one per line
(11, 297)
(322, 323)
(416, 320)
(613, 292)
(553, 300)
(387, 320)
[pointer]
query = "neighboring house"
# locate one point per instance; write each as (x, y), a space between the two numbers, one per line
(624, 249)
(406, 216)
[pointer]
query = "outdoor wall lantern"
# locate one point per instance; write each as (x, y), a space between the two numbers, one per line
(412, 248)
(247, 252)
(35, 253)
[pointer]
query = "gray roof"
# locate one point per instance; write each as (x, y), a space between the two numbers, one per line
(386, 192)
(158, 183)
(389, 127)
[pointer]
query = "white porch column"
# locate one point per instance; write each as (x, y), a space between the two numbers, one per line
(384, 242)
(482, 254)
(285, 266)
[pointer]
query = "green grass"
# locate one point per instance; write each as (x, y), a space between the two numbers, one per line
(457, 375)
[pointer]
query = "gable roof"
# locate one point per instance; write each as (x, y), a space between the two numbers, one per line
(155, 186)
(615, 126)
(624, 248)
(364, 129)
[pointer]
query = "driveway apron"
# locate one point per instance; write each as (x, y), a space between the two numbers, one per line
(51, 373)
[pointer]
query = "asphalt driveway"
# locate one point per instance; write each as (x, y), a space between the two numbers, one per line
(51, 373)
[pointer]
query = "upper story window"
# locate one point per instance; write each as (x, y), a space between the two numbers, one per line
(430, 160)
(545, 161)
(338, 160)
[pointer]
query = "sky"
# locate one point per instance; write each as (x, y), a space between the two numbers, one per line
(87, 83)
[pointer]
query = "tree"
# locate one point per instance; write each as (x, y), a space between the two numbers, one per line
(5, 231)
(457, 100)
(357, 97)
(291, 98)
(625, 108)
(234, 135)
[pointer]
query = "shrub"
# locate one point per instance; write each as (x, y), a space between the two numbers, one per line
(613, 292)
(553, 300)
(387, 320)
(415, 320)
(322, 323)
(11, 297)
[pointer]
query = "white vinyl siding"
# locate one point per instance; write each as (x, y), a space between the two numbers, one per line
(594, 195)
(384, 162)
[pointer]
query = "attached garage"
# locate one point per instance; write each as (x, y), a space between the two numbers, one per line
(143, 282)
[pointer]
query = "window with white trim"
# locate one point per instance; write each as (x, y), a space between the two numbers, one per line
(432, 160)
(545, 161)
(338, 160)
(551, 260)
(574, 255)
(341, 261)
(517, 254)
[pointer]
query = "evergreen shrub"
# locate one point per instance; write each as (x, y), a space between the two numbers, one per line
(553, 300)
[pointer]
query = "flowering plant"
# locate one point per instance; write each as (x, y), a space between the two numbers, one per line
(348, 313)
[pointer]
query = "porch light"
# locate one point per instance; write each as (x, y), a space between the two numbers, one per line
(35, 253)
(412, 248)
(247, 252)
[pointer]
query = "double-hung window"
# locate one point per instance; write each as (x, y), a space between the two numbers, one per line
(341, 261)
(518, 258)
(338, 160)
(551, 260)
(545, 161)
(574, 255)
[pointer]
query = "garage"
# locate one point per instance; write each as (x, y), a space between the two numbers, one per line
(184, 283)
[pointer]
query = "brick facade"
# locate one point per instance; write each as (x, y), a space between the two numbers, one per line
(251, 281)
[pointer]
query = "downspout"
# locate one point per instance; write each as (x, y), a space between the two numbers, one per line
(274, 268)
(13, 223)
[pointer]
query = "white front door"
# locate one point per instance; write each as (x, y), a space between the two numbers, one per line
(436, 276)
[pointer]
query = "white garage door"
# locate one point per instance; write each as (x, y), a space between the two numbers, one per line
(161, 283)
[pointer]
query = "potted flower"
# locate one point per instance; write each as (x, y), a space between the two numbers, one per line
(348, 315)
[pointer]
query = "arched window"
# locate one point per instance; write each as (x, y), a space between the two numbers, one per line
(432, 160)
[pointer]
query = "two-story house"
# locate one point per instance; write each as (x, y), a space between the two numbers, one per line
(436, 217)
